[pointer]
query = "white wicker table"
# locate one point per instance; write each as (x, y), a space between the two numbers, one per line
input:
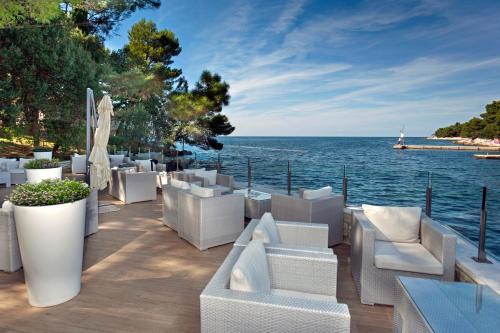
(256, 203)
(428, 305)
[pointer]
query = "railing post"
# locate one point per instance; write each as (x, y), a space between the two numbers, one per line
(481, 253)
(195, 161)
(249, 175)
(219, 166)
(344, 187)
(289, 179)
(177, 158)
(428, 196)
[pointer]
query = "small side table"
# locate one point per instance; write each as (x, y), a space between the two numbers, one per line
(256, 203)
(5, 178)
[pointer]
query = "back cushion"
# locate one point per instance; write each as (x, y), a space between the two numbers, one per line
(394, 224)
(179, 184)
(250, 272)
(267, 231)
(10, 163)
(145, 165)
(203, 192)
(211, 175)
(315, 194)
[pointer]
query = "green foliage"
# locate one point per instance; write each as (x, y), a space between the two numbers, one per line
(43, 74)
(42, 164)
(487, 127)
(42, 149)
(15, 12)
(49, 192)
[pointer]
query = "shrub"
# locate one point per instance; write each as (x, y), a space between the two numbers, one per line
(49, 192)
(42, 149)
(42, 164)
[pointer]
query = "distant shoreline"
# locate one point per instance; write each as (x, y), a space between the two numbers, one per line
(469, 141)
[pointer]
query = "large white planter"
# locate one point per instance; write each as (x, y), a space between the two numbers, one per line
(42, 155)
(37, 175)
(51, 244)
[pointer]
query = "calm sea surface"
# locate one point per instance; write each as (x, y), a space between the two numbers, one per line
(377, 174)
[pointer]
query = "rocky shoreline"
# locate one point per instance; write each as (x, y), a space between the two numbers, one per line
(469, 141)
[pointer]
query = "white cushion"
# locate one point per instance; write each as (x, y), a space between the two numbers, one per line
(302, 295)
(7, 205)
(203, 192)
(193, 171)
(250, 272)
(266, 230)
(211, 175)
(315, 194)
(394, 224)
(409, 257)
(145, 164)
(23, 161)
(179, 184)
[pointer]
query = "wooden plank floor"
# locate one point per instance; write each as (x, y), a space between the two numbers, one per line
(139, 276)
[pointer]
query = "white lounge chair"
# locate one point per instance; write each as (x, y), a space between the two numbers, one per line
(258, 290)
(130, 186)
(397, 241)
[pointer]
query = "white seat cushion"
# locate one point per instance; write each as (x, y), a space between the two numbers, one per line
(203, 192)
(394, 224)
(179, 184)
(316, 194)
(409, 257)
(211, 175)
(250, 273)
(266, 230)
(302, 295)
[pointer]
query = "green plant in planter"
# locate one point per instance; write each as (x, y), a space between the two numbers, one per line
(42, 164)
(49, 192)
(42, 149)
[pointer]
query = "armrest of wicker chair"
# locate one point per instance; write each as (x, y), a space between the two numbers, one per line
(441, 242)
(362, 246)
(226, 310)
(308, 272)
(303, 234)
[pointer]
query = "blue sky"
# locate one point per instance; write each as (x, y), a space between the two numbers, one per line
(339, 68)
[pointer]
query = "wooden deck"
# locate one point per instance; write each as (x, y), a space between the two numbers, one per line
(139, 276)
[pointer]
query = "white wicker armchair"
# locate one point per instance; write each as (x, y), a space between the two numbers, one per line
(432, 257)
(131, 187)
(10, 257)
(294, 236)
(328, 210)
(170, 196)
(78, 164)
(308, 303)
(209, 222)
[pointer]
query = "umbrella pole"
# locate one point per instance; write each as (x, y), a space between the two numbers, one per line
(90, 95)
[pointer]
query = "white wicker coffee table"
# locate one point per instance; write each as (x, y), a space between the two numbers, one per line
(256, 203)
(427, 305)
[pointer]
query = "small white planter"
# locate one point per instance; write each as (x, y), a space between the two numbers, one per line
(43, 155)
(51, 244)
(37, 175)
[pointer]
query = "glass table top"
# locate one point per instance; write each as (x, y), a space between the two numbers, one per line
(455, 306)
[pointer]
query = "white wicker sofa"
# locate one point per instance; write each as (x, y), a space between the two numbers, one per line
(394, 242)
(207, 220)
(299, 295)
(327, 208)
(10, 256)
(130, 186)
(292, 236)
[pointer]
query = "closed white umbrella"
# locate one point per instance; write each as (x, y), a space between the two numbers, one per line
(100, 173)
